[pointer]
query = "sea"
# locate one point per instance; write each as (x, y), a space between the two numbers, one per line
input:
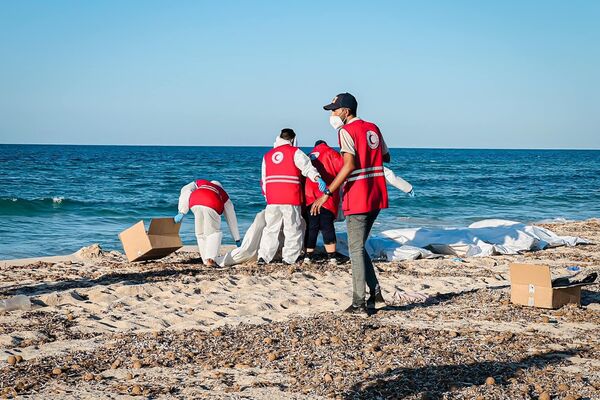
(55, 199)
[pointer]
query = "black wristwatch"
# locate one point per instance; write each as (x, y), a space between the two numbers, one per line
(327, 192)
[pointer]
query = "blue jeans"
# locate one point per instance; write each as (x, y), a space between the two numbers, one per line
(359, 227)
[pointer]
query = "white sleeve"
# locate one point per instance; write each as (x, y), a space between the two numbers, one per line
(396, 181)
(184, 197)
(346, 142)
(263, 175)
(231, 219)
(305, 166)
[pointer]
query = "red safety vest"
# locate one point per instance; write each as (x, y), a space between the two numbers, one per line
(282, 177)
(328, 162)
(209, 195)
(365, 188)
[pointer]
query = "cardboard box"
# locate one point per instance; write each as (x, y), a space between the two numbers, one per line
(531, 285)
(161, 240)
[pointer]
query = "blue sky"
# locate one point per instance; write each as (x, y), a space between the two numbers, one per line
(510, 74)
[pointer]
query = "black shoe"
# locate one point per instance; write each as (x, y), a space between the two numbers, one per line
(341, 259)
(306, 258)
(332, 259)
(357, 310)
(376, 298)
(260, 261)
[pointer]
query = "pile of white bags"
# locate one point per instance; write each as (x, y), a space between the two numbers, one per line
(483, 238)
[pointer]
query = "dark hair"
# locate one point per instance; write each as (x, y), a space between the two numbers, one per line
(318, 142)
(287, 134)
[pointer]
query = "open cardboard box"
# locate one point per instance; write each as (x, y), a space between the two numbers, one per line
(161, 240)
(531, 285)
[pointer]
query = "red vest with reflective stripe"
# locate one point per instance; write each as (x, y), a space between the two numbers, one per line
(328, 162)
(365, 188)
(209, 195)
(282, 177)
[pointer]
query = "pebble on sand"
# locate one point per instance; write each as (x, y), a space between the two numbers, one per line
(490, 381)
(563, 387)
(12, 360)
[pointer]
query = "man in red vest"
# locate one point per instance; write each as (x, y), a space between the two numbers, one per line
(282, 171)
(365, 193)
(328, 162)
(208, 201)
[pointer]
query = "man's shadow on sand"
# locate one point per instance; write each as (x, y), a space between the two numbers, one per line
(587, 297)
(435, 380)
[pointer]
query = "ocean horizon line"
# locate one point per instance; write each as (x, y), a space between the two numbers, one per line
(268, 146)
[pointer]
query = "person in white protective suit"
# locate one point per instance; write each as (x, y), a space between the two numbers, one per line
(282, 171)
(208, 201)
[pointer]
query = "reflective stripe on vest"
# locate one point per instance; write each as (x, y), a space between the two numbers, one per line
(282, 181)
(283, 178)
(376, 171)
(210, 188)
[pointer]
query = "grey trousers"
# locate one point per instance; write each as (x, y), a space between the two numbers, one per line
(359, 226)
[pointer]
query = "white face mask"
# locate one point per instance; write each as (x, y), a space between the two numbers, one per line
(336, 122)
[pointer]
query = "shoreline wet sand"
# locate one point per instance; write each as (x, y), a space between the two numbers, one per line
(102, 327)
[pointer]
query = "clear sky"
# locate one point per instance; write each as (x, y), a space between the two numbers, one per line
(503, 74)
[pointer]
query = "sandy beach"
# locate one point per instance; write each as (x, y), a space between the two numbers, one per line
(101, 327)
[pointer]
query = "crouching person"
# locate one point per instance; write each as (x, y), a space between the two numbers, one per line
(208, 201)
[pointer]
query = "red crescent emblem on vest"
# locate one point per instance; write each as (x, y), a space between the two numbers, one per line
(277, 157)
(372, 139)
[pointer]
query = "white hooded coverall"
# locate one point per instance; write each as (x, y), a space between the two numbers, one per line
(208, 222)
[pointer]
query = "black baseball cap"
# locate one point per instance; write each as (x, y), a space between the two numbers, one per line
(342, 100)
